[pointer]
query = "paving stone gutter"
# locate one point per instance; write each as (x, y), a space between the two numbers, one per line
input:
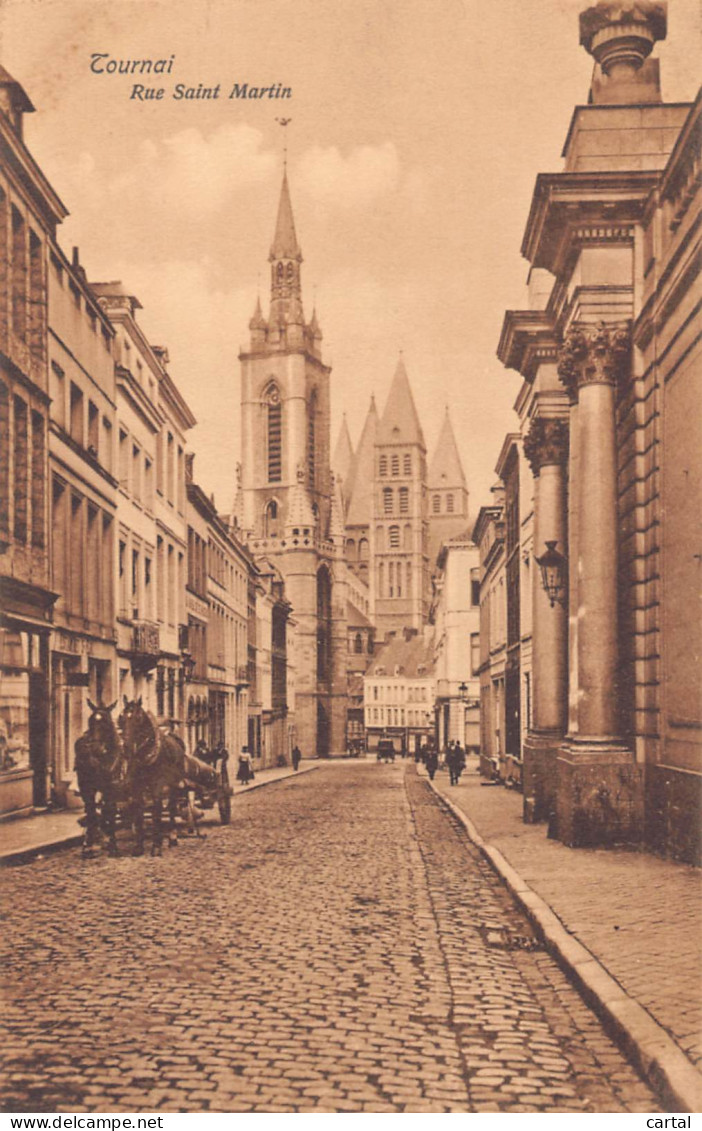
(647, 1044)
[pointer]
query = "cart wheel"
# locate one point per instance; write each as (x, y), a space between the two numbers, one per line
(225, 798)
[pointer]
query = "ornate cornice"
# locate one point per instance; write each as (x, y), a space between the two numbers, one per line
(594, 354)
(527, 341)
(546, 442)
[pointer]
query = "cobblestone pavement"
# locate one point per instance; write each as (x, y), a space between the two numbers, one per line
(339, 947)
(639, 914)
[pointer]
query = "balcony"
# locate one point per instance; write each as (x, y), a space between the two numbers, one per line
(145, 649)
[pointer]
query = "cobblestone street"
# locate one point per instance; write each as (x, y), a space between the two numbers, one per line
(341, 946)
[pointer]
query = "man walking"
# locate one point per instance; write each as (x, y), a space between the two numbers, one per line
(296, 757)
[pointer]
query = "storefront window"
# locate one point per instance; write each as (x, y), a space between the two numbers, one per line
(19, 653)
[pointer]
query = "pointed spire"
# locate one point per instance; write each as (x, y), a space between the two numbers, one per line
(446, 469)
(314, 326)
(343, 456)
(400, 423)
(300, 513)
(285, 245)
(258, 322)
(359, 489)
(336, 513)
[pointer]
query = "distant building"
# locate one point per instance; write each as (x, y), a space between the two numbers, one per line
(399, 690)
(455, 614)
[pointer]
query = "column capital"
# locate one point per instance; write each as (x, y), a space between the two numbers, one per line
(594, 354)
(621, 33)
(546, 442)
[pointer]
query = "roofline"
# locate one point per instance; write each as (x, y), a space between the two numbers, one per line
(613, 106)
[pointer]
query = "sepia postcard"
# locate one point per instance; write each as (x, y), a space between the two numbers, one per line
(350, 496)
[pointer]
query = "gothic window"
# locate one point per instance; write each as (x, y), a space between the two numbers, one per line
(436, 503)
(311, 439)
(391, 579)
(383, 465)
(280, 270)
(387, 500)
(289, 272)
(394, 537)
(270, 520)
(409, 579)
(275, 436)
(395, 464)
(358, 644)
(449, 504)
(363, 549)
(350, 550)
(323, 625)
(404, 500)
(407, 463)
(399, 579)
(381, 580)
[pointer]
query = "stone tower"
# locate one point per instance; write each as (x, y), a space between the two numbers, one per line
(400, 530)
(448, 492)
(287, 495)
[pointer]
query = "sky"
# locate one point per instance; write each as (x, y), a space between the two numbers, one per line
(417, 130)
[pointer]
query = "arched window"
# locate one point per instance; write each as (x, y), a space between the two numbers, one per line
(383, 465)
(280, 271)
(407, 463)
(350, 550)
(358, 644)
(270, 520)
(387, 500)
(289, 272)
(363, 549)
(436, 503)
(395, 464)
(404, 500)
(399, 579)
(449, 504)
(274, 434)
(381, 580)
(409, 579)
(407, 537)
(394, 537)
(391, 579)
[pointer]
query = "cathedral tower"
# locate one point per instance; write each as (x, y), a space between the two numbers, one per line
(287, 486)
(399, 530)
(448, 492)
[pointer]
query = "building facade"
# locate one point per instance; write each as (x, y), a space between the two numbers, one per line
(455, 614)
(30, 212)
(399, 691)
(614, 753)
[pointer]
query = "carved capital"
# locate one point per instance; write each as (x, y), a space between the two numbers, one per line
(621, 33)
(546, 442)
(593, 355)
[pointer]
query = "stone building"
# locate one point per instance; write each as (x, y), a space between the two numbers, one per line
(83, 506)
(399, 691)
(152, 419)
(214, 641)
(610, 416)
(30, 212)
(489, 537)
(288, 504)
(455, 614)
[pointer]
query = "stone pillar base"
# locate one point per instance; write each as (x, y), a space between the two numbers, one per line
(539, 755)
(599, 794)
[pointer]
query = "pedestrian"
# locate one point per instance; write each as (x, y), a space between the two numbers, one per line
(459, 761)
(432, 763)
(245, 772)
(296, 757)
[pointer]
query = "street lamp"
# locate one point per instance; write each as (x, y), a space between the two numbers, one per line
(463, 690)
(553, 573)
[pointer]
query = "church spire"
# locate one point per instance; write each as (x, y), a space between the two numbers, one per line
(285, 259)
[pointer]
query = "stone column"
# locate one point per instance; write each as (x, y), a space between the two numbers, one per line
(546, 449)
(598, 788)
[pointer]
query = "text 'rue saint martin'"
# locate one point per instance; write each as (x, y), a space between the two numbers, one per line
(102, 63)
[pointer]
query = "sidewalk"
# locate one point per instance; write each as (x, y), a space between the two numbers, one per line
(25, 837)
(626, 926)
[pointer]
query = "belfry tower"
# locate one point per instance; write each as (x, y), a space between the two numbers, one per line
(289, 502)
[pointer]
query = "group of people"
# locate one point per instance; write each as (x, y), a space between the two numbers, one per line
(454, 758)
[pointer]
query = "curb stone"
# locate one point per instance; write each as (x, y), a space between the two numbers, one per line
(647, 1044)
(74, 840)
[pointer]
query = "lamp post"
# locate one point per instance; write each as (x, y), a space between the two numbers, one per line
(553, 573)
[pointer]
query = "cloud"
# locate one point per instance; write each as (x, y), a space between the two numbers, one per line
(357, 180)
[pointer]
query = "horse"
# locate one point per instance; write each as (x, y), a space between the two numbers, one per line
(156, 763)
(99, 768)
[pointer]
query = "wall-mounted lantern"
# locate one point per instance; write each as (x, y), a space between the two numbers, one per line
(463, 690)
(553, 573)
(188, 665)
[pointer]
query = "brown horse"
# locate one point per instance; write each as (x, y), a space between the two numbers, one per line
(155, 767)
(99, 767)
